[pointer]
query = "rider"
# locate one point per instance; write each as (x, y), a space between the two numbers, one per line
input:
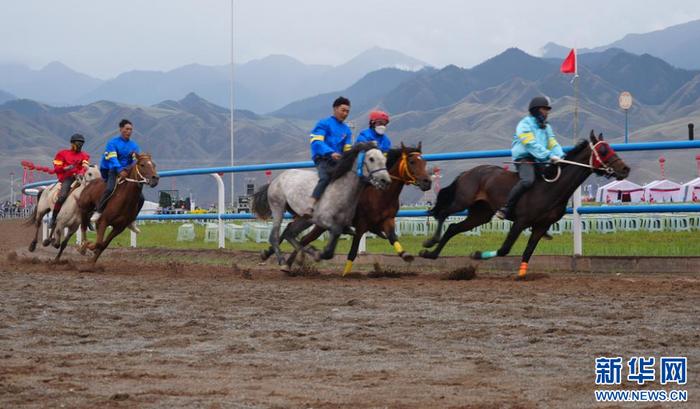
(67, 164)
(378, 120)
(329, 138)
(119, 155)
(533, 143)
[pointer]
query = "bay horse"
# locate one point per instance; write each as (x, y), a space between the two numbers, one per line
(46, 200)
(484, 189)
(121, 209)
(334, 211)
(376, 209)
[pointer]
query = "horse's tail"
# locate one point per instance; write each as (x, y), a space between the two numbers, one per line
(32, 217)
(261, 206)
(444, 199)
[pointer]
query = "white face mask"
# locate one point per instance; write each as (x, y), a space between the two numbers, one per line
(380, 129)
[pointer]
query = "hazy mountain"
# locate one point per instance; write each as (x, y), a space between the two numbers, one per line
(673, 44)
(6, 96)
(54, 83)
(261, 85)
(363, 95)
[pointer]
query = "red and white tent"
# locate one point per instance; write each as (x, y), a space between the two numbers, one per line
(664, 190)
(691, 190)
(620, 191)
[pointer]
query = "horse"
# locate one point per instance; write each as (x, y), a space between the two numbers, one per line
(334, 210)
(485, 188)
(376, 208)
(121, 209)
(46, 200)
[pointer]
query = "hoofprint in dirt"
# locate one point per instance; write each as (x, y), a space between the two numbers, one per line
(163, 333)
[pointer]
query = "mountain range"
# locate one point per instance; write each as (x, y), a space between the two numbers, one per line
(673, 44)
(260, 85)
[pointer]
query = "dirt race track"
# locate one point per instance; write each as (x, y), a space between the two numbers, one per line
(148, 331)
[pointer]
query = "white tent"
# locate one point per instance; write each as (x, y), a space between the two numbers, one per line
(691, 190)
(149, 208)
(620, 191)
(664, 190)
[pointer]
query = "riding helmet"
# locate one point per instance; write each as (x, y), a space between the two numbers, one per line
(77, 138)
(539, 102)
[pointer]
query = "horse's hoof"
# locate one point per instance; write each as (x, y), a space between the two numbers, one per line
(32, 246)
(407, 257)
(476, 255)
(520, 277)
(280, 260)
(428, 254)
(56, 244)
(46, 242)
(264, 255)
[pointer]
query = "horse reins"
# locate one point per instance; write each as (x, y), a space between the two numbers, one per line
(142, 180)
(605, 167)
(405, 174)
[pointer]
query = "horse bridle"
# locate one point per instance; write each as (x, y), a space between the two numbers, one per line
(142, 179)
(361, 167)
(594, 154)
(405, 174)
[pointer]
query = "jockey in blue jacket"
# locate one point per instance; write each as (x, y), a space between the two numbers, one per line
(533, 144)
(378, 120)
(329, 139)
(118, 157)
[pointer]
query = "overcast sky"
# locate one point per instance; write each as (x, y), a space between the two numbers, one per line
(104, 38)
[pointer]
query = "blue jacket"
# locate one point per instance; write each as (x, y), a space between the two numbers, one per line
(330, 136)
(119, 154)
(531, 140)
(369, 135)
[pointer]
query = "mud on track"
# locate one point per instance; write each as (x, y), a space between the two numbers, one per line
(154, 329)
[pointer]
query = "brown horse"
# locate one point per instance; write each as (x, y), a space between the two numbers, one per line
(123, 206)
(484, 189)
(376, 208)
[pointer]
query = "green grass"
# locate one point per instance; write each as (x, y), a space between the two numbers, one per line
(594, 244)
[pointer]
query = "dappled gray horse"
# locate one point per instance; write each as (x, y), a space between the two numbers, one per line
(334, 211)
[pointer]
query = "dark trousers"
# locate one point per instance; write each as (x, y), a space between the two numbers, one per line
(325, 167)
(62, 196)
(526, 173)
(111, 176)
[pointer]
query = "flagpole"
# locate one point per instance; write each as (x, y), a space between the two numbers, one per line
(577, 227)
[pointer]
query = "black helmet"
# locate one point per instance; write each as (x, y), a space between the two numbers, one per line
(77, 138)
(539, 102)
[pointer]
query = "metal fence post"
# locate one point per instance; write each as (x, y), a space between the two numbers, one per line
(578, 239)
(221, 210)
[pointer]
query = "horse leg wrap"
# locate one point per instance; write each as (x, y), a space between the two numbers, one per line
(523, 269)
(485, 255)
(348, 267)
(398, 248)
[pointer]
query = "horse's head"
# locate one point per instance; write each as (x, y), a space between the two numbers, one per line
(604, 160)
(91, 173)
(145, 170)
(374, 168)
(412, 167)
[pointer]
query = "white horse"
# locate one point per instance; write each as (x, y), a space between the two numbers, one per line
(47, 199)
(334, 212)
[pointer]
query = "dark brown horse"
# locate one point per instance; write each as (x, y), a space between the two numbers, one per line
(484, 189)
(123, 206)
(376, 208)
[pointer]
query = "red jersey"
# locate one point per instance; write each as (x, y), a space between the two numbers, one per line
(66, 158)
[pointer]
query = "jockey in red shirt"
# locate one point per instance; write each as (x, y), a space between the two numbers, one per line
(68, 163)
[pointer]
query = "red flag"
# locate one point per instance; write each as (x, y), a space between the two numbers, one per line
(569, 65)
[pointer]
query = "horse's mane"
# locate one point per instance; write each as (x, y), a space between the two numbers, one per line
(347, 161)
(581, 145)
(394, 155)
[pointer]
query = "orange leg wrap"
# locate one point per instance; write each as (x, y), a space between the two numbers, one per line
(523, 270)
